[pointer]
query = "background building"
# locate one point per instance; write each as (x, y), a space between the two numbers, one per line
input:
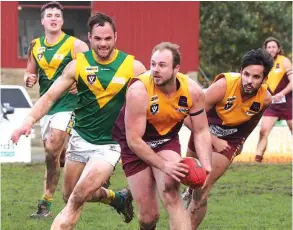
(140, 26)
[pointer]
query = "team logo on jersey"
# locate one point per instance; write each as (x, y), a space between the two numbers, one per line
(229, 103)
(91, 78)
(154, 109)
(182, 101)
(40, 55)
(92, 69)
(58, 56)
(119, 80)
(277, 68)
(255, 107)
(41, 49)
(182, 110)
(154, 98)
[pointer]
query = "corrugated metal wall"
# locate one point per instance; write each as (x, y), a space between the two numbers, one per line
(9, 36)
(140, 26)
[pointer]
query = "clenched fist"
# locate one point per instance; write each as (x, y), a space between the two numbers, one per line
(30, 80)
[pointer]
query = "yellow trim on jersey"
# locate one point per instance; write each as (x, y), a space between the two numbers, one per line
(114, 56)
(276, 74)
(103, 96)
(169, 113)
(232, 110)
(51, 68)
(59, 40)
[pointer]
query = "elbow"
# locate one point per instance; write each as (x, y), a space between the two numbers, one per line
(132, 143)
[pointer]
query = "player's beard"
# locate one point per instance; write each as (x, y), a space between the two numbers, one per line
(167, 81)
(107, 56)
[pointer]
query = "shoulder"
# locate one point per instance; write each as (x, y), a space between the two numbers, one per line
(80, 46)
(195, 89)
(286, 61)
(138, 68)
(136, 88)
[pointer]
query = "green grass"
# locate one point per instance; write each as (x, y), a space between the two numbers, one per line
(249, 196)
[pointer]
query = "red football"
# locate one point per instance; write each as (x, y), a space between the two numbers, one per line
(196, 175)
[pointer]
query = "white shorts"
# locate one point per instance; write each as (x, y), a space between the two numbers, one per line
(62, 121)
(80, 150)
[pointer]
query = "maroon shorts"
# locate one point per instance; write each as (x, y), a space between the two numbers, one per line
(235, 144)
(132, 164)
(282, 111)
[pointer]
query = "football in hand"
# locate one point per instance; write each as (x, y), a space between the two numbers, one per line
(196, 175)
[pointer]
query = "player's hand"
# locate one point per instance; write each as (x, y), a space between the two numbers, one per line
(175, 169)
(73, 89)
(221, 145)
(24, 129)
(30, 79)
(278, 97)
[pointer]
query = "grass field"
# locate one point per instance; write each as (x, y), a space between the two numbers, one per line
(249, 196)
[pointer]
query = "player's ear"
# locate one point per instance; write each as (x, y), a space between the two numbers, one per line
(176, 69)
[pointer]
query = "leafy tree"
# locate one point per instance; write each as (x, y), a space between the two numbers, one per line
(229, 29)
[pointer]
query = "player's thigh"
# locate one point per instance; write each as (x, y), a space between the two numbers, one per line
(165, 182)
(94, 174)
(60, 125)
(267, 124)
(144, 191)
(220, 164)
(72, 172)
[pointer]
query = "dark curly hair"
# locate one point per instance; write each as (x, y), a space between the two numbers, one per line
(101, 19)
(258, 57)
(52, 5)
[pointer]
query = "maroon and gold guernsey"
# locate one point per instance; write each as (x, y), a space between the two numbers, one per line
(165, 115)
(278, 80)
(234, 118)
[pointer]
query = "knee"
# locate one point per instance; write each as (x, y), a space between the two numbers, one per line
(78, 197)
(148, 221)
(264, 133)
(171, 194)
(53, 147)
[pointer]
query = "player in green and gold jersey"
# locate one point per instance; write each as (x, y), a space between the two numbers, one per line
(47, 57)
(101, 75)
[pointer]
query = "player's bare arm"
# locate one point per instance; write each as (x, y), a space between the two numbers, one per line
(213, 95)
(43, 105)
(30, 76)
(138, 68)
(200, 127)
(135, 124)
(79, 47)
(288, 68)
(60, 86)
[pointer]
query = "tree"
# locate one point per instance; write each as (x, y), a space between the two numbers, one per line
(229, 29)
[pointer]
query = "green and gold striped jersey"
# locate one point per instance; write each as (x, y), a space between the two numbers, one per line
(51, 60)
(101, 94)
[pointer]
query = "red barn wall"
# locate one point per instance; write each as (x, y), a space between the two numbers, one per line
(9, 36)
(142, 25)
